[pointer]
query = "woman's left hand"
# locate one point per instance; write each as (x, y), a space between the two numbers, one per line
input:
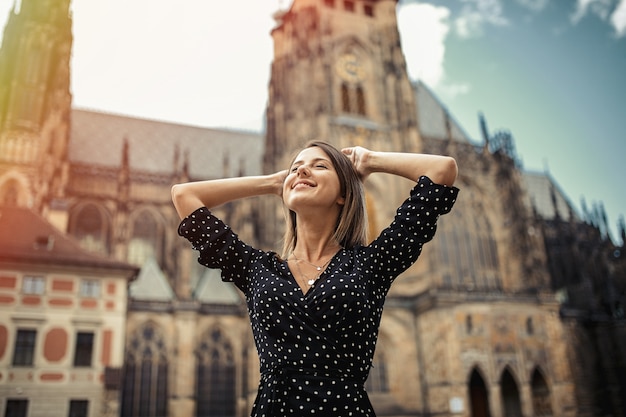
(359, 157)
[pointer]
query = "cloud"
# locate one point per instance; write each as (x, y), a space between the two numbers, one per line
(600, 8)
(477, 13)
(618, 19)
(534, 5)
(606, 10)
(423, 30)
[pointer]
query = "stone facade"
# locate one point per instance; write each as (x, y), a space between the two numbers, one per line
(478, 327)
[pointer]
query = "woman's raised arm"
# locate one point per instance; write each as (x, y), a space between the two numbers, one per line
(190, 196)
(440, 169)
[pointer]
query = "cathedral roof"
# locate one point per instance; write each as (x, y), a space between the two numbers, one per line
(151, 284)
(26, 237)
(163, 148)
(211, 289)
(546, 196)
(435, 121)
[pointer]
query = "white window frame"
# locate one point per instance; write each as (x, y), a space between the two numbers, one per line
(33, 284)
(90, 288)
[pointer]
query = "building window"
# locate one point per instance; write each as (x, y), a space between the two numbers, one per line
(146, 239)
(329, 3)
(33, 285)
(530, 326)
(215, 382)
(90, 288)
(84, 349)
(348, 5)
(16, 408)
(24, 347)
(468, 251)
(79, 408)
(360, 101)
(144, 391)
(345, 98)
(90, 229)
(469, 324)
(353, 99)
(369, 10)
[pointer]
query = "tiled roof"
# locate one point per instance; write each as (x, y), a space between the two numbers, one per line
(541, 188)
(98, 139)
(433, 116)
(27, 238)
(212, 290)
(151, 284)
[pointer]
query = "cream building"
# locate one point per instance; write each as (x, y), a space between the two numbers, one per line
(62, 331)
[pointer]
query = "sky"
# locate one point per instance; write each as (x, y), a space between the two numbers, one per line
(551, 72)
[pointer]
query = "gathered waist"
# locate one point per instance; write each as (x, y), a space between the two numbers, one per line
(281, 372)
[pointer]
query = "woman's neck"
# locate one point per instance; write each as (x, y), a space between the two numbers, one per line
(315, 245)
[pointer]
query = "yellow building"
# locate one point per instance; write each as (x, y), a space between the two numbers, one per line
(63, 311)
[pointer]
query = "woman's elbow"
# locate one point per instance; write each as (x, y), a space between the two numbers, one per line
(448, 171)
(176, 192)
(181, 200)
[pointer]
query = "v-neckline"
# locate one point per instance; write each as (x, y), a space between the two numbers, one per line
(295, 281)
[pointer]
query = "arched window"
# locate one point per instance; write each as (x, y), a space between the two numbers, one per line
(360, 100)
(146, 239)
(144, 390)
(353, 99)
(467, 252)
(530, 326)
(345, 98)
(511, 403)
(478, 395)
(215, 381)
(542, 405)
(469, 324)
(90, 228)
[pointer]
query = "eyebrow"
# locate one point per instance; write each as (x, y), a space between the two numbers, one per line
(300, 161)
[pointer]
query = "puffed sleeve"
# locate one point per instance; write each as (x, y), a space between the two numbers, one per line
(399, 245)
(218, 246)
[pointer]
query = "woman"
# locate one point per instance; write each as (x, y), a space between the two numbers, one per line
(315, 311)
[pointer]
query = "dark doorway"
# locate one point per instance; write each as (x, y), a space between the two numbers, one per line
(479, 396)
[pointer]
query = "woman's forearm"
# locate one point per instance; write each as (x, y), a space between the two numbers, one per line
(188, 197)
(440, 169)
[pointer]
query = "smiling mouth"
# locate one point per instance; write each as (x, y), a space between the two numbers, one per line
(302, 185)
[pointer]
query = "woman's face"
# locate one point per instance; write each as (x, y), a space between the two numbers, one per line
(312, 182)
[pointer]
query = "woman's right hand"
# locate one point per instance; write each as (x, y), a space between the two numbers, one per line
(279, 180)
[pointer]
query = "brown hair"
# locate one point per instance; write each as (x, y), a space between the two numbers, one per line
(351, 227)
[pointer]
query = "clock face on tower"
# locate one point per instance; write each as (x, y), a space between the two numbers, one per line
(350, 68)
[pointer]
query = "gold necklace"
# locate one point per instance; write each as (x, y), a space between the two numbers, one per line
(320, 269)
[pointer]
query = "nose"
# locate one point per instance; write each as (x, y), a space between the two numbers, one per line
(303, 170)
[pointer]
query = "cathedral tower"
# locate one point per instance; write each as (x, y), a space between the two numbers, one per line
(35, 101)
(339, 75)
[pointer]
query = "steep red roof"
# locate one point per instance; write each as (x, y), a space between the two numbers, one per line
(28, 238)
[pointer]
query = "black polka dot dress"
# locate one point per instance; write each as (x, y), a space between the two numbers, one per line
(316, 349)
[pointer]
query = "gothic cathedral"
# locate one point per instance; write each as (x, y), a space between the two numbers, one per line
(478, 327)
